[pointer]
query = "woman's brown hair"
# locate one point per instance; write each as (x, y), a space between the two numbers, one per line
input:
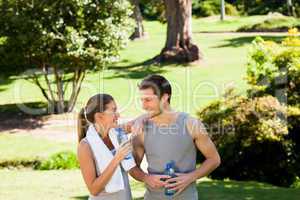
(97, 103)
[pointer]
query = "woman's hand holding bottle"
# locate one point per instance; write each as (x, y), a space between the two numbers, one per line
(123, 151)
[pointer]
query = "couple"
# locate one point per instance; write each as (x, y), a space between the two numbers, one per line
(162, 135)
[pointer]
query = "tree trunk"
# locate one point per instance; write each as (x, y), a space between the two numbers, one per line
(139, 31)
(58, 102)
(179, 47)
(290, 8)
(51, 101)
(245, 2)
(59, 87)
(222, 10)
(77, 80)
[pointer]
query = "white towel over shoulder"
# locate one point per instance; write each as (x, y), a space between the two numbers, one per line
(104, 156)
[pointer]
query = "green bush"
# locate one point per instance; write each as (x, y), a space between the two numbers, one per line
(62, 160)
(250, 135)
(294, 134)
(259, 135)
(262, 7)
(19, 163)
(274, 67)
(231, 10)
(296, 183)
(153, 9)
(281, 23)
(205, 8)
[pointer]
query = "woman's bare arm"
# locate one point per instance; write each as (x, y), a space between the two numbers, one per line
(87, 165)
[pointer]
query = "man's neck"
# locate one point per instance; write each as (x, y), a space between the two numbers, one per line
(164, 112)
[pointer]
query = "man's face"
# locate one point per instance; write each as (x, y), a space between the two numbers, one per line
(150, 101)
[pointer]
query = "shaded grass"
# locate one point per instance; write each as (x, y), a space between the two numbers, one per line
(245, 40)
(5, 82)
(15, 115)
(232, 190)
(12, 108)
(68, 184)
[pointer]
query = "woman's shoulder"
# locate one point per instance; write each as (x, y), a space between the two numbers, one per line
(84, 147)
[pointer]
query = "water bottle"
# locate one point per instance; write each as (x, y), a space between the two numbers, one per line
(122, 137)
(170, 171)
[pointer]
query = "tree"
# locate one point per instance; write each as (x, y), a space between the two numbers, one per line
(222, 10)
(290, 8)
(56, 42)
(179, 46)
(139, 30)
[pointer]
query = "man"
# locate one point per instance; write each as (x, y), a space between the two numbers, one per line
(169, 136)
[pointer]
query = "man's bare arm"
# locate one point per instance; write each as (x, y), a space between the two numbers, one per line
(138, 154)
(132, 124)
(205, 146)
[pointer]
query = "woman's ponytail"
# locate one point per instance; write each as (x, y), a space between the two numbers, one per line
(82, 125)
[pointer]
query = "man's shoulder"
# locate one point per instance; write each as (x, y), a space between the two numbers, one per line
(194, 126)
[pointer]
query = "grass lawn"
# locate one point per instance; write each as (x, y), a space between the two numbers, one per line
(239, 190)
(230, 24)
(194, 87)
(225, 56)
(68, 184)
(213, 24)
(25, 147)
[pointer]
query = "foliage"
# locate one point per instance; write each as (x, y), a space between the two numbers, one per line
(19, 164)
(231, 10)
(261, 7)
(273, 68)
(259, 134)
(294, 134)
(204, 8)
(59, 40)
(273, 23)
(250, 135)
(61, 160)
(153, 9)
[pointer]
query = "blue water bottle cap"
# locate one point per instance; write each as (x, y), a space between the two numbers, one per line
(168, 166)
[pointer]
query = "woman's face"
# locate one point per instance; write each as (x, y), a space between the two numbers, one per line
(109, 118)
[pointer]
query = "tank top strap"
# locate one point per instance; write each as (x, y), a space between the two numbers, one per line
(181, 119)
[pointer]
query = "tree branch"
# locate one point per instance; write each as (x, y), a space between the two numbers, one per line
(77, 89)
(45, 69)
(37, 82)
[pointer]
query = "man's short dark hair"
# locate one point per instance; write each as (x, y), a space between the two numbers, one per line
(159, 84)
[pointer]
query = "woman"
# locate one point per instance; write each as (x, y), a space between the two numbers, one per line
(105, 181)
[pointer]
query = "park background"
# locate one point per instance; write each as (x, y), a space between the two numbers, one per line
(239, 74)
